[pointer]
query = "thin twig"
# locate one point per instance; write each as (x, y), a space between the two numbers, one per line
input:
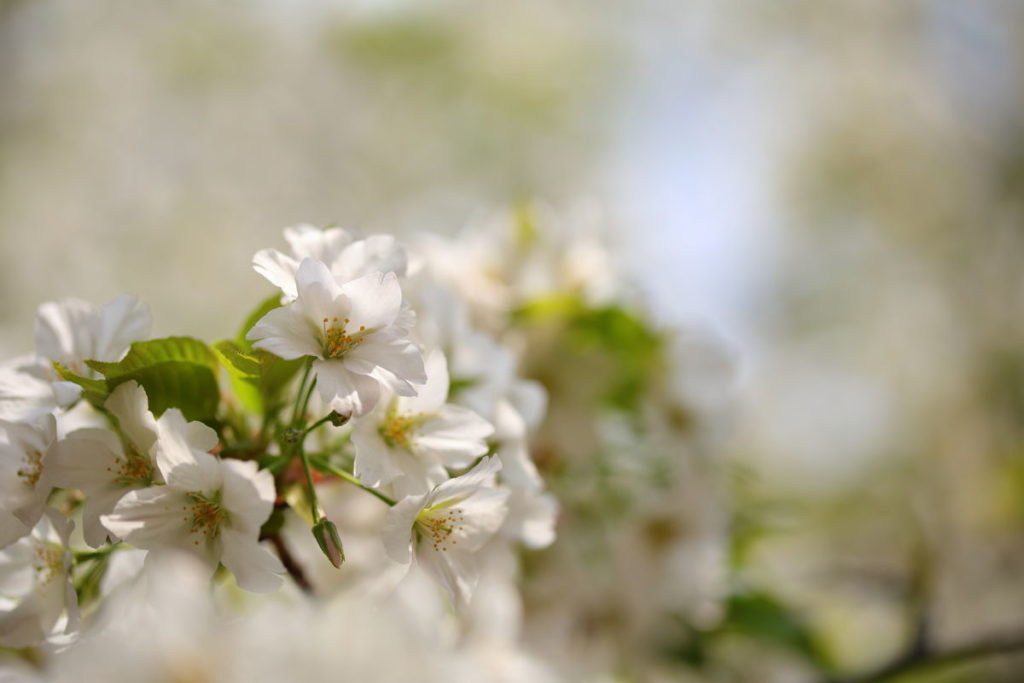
(291, 564)
(324, 466)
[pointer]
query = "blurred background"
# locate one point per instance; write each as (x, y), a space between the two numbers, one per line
(835, 191)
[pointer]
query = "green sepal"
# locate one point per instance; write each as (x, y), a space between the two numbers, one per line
(93, 390)
(326, 535)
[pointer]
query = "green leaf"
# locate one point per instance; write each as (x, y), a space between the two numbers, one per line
(548, 307)
(760, 616)
(632, 349)
(276, 373)
(176, 372)
(257, 377)
(634, 346)
(243, 371)
(93, 390)
(243, 364)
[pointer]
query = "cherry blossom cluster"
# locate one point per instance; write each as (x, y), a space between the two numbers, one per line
(363, 372)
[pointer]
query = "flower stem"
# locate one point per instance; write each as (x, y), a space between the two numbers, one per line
(301, 392)
(327, 467)
(314, 502)
(96, 554)
(299, 435)
(325, 418)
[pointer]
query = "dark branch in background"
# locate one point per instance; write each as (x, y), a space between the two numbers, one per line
(293, 568)
(924, 658)
(920, 653)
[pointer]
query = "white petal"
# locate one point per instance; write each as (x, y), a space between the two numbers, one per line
(532, 518)
(320, 299)
(314, 276)
(65, 393)
(517, 468)
(248, 494)
(491, 367)
(456, 436)
(434, 392)
(346, 392)
(375, 300)
(85, 460)
(461, 487)
(285, 332)
(377, 253)
(256, 569)
(457, 572)
(183, 466)
(121, 322)
(33, 619)
(309, 241)
(374, 464)
(530, 398)
(130, 406)
(483, 513)
(11, 529)
(399, 357)
(24, 393)
(278, 268)
(396, 532)
(150, 518)
(201, 437)
(63, 330)
(99, 503)
(170, 557)
(16, 574)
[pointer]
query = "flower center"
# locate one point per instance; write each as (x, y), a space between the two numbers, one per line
(132, 469)
(438, 526)
(33, 467)
(396, 430)
(336, 341)
(204, 515)
(47, 561)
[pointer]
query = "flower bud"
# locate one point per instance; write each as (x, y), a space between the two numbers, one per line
(326, 535)
(337, 419)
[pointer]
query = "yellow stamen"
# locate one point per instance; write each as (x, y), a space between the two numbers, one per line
(33, 468)
(439, 525)
(132, 469)
(204, 516)
(336, 341)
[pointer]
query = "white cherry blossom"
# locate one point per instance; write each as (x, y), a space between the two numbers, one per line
(210, 507)
(413, 439)
(447, 526)
(355, 332)
(102, 465)
(24, 475)
(69, 332)
(346, 257)
(35, 585)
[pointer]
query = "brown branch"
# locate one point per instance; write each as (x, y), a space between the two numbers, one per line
(921, 657)
(920, 652)
(291, 564)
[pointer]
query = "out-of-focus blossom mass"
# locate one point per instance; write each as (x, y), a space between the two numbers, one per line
(515, 342)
